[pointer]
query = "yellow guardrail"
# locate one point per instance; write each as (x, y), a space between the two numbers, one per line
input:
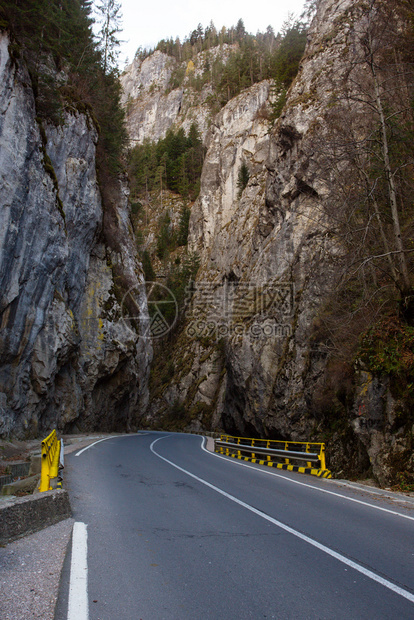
(308, 451)
(50, 461)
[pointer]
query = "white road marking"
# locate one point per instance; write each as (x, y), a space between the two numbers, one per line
(78, 608)
(304, 484)
(94, 444)
(341, 558)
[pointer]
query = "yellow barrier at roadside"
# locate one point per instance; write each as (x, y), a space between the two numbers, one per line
(270, 449)
(50, 461)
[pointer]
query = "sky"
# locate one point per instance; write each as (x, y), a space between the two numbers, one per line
(146, 23)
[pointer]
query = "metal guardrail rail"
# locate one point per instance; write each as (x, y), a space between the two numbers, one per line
(50, 461)
(308, 451)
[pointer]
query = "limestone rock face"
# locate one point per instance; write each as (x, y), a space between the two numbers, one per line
(150, 112)
(245, 361)
(236, 136)
(67, 359)
(153, 105)
(222, 235)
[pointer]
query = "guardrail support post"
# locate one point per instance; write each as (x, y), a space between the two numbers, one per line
(322, 457)
(238, 451)
(308, 464)
(44, 474)
(287, 448)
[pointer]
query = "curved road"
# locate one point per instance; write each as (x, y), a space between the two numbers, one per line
(175, 532)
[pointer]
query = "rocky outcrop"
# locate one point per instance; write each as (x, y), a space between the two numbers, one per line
(67, 359)
(150, 111)
(153, 103)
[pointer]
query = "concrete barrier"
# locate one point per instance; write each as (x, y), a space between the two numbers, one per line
(25, 515)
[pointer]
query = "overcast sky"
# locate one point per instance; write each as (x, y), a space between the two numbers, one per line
(146, 23)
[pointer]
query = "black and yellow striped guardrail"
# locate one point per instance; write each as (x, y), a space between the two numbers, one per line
(311, 452)
(50, 461)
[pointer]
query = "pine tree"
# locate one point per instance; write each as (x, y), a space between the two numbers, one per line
(183, 226)
(56, 35)
(110, 21)
(242, 179)
(240, 29)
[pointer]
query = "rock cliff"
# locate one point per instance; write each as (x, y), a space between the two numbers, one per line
(67, 359)
(247, 360)
(152, 102)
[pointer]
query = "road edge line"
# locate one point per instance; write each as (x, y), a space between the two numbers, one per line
(78, 607)
(99, 441)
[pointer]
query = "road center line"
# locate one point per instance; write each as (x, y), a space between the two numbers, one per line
(304, 484)
(341, 558)
(78, 608)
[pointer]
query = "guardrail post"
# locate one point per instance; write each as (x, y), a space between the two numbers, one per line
(322, 457)
(309, 464)
(252, 445)
(287, 462)
(238, 451)
(44, 476)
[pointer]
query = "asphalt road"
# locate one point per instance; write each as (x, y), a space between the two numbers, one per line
(175, 532)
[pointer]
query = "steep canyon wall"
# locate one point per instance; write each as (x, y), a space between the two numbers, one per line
(67, 359)
(246, 359)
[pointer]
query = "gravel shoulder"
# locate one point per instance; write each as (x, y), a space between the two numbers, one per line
(30, 571)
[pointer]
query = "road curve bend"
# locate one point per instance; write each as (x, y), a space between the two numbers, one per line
(176, 532)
